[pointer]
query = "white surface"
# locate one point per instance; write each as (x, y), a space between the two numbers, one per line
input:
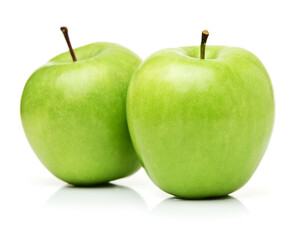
(35, 205)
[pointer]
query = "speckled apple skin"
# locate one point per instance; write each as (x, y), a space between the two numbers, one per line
(74, 114)
(200, 127)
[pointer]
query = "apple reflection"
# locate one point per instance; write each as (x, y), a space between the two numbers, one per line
(105, 198)
(227, 207)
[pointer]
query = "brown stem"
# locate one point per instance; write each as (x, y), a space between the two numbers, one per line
(65, 32)
(204, 37)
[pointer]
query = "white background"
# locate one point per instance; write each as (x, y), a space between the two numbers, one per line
(36, 205)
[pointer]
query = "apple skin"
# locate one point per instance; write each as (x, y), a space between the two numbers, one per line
(74, 114)
(200, 127)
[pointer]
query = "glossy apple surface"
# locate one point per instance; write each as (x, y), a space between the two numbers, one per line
(200, 126)
(74, 114)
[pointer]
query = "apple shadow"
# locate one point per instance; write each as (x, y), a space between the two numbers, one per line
(106, 198)
(225, 207)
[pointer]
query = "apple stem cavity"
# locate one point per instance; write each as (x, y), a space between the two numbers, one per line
(204, 37)
(66, 35)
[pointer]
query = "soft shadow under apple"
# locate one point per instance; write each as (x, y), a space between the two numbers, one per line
(226, 207)
(105, 198)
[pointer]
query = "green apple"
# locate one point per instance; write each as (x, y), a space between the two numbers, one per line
(74, 114)
(200, 126)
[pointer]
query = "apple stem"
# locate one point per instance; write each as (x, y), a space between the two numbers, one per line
(204, 37)
(65, 32)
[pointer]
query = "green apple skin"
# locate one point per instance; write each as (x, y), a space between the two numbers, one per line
(74, 114)
(200, 127)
